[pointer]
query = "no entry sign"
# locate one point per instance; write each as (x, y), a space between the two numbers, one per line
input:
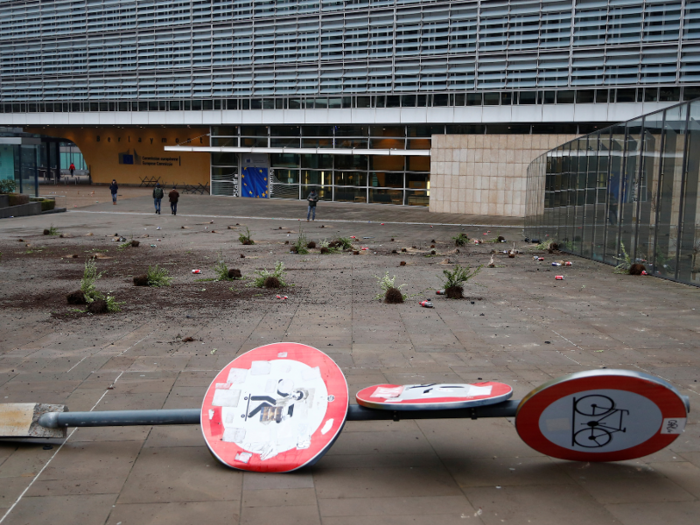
(607, 415)
(433, 396)
(275, 409)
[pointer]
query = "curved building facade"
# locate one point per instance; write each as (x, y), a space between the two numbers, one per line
(336, 75)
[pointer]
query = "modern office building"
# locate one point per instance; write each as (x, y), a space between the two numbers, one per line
(347, 96)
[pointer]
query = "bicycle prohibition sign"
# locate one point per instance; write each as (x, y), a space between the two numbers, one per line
(601, 419)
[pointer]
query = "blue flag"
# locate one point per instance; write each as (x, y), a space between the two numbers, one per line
(254, 182)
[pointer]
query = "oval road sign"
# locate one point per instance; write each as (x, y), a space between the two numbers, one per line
(606, 415)
(433, 396)
(275, 409)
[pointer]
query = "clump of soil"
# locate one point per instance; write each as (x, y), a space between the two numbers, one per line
(187, 340)
(311, 245)
(325, 250)
(235, 273)
(402, 263)
(76, 297)
(20, 240)
(47, 232)
(432, 246)
(248, 242)
(454, 292)
(356, 252)
(141, 280)
(637, 269)
(394, 251)
(135, 243)
(272, 282)
(393, 296)
(242, 256)
(98, 306)
(554, 247)
(414, 247)
(293, 249)
(286, 242)
(432, 240)
(501, 238)
(392, 239)
(433, 252)
(404, 250)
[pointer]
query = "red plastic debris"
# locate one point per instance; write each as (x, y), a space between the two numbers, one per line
(196, 271)
(559, 277)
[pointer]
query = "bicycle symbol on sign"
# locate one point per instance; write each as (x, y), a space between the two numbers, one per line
(600, 421)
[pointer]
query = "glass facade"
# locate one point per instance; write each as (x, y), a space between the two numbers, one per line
(632, 187)
(381, 179)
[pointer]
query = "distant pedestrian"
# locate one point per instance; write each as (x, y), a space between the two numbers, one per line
(157, 196)
(113, 188)
(174, 195)
(72, 169)
(313, 199)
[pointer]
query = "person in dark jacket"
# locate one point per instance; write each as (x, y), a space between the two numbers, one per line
(174, 195)
(157, 196)
(113, 188)
(313, 199)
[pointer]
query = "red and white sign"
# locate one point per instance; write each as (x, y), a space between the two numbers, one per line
(606, 415)
(275, 409)
(433, 396)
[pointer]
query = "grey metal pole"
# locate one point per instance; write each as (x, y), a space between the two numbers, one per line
(191, 416)
(121, 418)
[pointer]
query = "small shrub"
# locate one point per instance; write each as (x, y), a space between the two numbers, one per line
(344, 243)
(328, 247)
(221, 270)
(546, 245)
(393, 296)
(301, 244)
(87, 283)
(455, 278)
(48, 204)
(625, 261)
(7, 186)
(385, 283)
(17, 199)
(158, 276)
(245, 238)
(262, 275)
(461, 239)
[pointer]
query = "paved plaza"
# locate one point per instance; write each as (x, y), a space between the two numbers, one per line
(516, 325)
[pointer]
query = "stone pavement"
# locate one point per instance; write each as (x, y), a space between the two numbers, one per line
(526, 329)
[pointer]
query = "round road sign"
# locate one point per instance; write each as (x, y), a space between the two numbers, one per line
(275, 409)
(433, 396)
(606, 415)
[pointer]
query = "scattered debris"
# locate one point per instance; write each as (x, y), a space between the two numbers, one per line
(402, 263)
(242, 256)
(559, 277)
(491, 264)
(187, 339)
(439, 292)
(426, 303)
(197, 270)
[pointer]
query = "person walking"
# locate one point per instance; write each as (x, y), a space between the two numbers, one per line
(174, 195)
(71, 168)
(113, 188)
(157, 196)
(313, 199)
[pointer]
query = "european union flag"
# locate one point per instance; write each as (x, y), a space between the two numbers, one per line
(254, 182)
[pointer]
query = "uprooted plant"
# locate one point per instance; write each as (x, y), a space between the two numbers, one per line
(52, 230)
(454, 280)
(222, 271)
(301, 245)
(158, 277)
(344, 243)
(390, 293)
(273, 279)
(461, 239)
(246, 238)
(97, 303)
(625, 261)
